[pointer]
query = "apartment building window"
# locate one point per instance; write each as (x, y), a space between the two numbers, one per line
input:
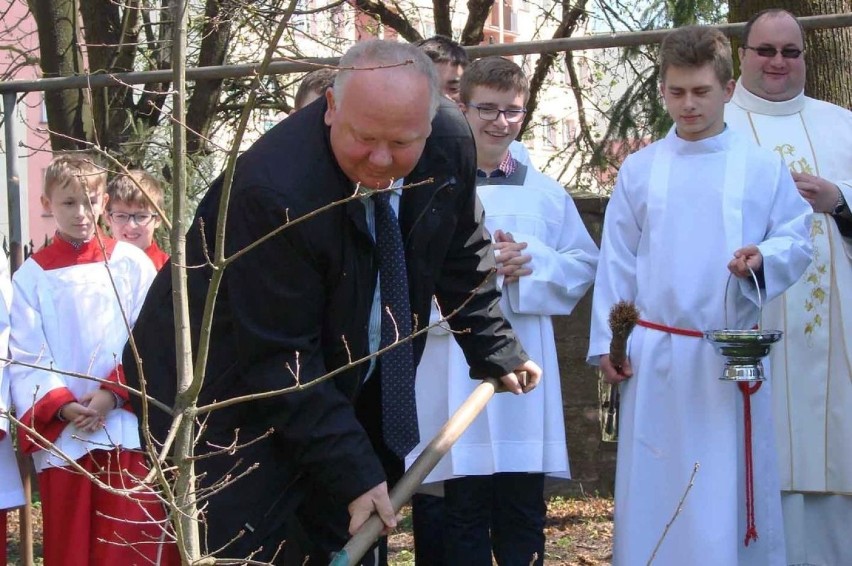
(570, 131)
(584, 71)
(550, 132)
(510, 16)
(338, 19)
(566, 76)
(302, 22)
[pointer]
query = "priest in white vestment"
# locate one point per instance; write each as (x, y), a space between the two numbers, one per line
(687, 213)
(812, 367)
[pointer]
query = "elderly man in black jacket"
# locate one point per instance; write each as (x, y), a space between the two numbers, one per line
(300, 303)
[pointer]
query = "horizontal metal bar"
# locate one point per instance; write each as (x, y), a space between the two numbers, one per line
(280, 67)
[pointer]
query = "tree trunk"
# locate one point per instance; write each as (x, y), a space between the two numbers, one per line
(111, 37)
(573, 13)
(185, 517)
(158, 39)
(390, 16)
(477, 12)
(443, 17)
(218, 15)
(68, 111)
(828, 52)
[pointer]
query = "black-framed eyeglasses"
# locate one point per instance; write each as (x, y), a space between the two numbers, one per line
(769, 51)
(512, 115)
(140, 218)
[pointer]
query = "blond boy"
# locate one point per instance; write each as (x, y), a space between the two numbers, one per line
(132, 217)
(67, 315)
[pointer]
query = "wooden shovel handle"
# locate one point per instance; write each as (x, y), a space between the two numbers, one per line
(401, 493)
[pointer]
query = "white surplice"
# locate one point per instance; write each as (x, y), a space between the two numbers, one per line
(11, 492)
(514, 433)
(678, 212)
(72, 319)
(812, 369)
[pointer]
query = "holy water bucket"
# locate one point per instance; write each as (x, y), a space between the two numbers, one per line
(743, 350)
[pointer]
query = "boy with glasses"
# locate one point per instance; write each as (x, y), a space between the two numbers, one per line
(494, 475)
(131, 216)
(812, 367)
(450, 60)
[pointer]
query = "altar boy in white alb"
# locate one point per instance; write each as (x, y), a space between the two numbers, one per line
(689, 216)
(494, 490)
(812, 368)
(68, 315)
(11, 492)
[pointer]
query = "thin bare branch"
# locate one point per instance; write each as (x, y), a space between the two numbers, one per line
(676, 512)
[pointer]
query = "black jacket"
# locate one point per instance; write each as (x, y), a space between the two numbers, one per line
(298, 305)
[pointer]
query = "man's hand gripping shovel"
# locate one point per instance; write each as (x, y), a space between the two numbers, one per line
(370, 531)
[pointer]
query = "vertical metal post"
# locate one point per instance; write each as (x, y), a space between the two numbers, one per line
(13, 183)
(16, 258)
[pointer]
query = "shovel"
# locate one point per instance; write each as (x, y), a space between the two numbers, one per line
(401, 493)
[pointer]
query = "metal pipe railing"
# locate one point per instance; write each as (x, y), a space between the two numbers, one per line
(595, 41)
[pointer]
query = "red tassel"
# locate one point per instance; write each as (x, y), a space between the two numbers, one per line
(751, 529)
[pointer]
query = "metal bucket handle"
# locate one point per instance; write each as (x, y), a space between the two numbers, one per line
(759, 298)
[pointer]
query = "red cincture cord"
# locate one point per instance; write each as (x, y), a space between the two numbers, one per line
(749, 389)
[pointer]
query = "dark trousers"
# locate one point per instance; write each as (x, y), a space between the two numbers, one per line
(503, 513)
(368, 409)
(427, 510)
(319, 532)
(428, 524)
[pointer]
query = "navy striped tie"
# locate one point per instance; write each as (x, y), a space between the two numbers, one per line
(399, 411)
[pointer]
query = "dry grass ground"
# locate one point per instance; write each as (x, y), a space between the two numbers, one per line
(578, 531)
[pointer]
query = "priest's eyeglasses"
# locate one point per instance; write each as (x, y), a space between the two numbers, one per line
(768, 51)
(140, 218)
(512, 115)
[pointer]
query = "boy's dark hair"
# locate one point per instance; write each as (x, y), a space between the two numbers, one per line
(125, 188)
(771, 12)
(82, 168)
(442, 49)
(694, 47)
(494, 72)
(314, 82)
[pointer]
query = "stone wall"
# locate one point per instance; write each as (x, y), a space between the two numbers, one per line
(592, 460)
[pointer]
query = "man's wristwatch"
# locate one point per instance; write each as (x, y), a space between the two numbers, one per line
(840, 205)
